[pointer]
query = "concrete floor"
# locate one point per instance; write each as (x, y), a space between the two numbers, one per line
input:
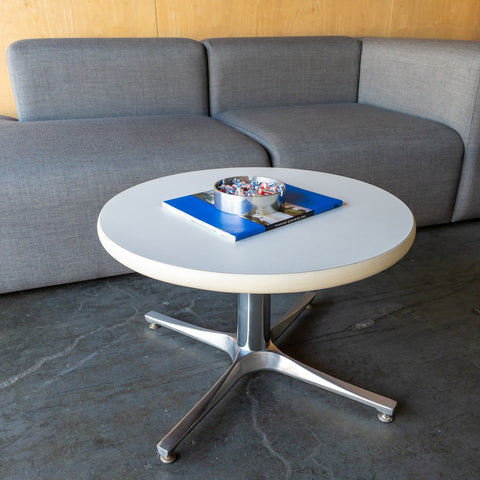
(87, 390)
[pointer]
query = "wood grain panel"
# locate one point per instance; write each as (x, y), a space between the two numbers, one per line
(201, 19)
(68, 18)
(436, 19)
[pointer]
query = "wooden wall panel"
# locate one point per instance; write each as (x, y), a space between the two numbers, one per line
(436, 19)
(199, 19)
(68, 18)
(455, 19)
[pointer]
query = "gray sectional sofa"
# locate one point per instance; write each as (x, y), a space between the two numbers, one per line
(96, 116)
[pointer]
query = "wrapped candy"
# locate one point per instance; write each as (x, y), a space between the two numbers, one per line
(248, 189)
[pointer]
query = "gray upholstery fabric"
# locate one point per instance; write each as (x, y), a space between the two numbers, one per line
(277, 71)
(416, 159)
(116, 112)
(436, 79)
(107, 77)
(55, 176)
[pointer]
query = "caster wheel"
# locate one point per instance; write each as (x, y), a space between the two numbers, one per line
(153, 326)
(385, 418)
(171, 458)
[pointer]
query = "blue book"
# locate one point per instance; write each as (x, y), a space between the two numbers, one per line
(299, 204)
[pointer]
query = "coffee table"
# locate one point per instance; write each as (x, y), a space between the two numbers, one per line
(369, 233)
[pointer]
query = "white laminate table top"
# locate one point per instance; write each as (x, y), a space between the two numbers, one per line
(369, 233)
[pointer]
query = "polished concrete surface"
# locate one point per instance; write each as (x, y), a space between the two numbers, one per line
(87, 389)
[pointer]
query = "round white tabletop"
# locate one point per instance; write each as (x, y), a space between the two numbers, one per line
(369, 233)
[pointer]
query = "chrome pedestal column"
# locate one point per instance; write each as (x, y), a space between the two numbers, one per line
(252, 349)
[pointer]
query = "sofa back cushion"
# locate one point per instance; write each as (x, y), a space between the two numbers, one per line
(107, 77)
(281, 71)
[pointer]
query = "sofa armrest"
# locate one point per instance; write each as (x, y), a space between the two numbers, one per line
(434, 79)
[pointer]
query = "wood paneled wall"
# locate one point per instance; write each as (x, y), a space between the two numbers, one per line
(199, 19)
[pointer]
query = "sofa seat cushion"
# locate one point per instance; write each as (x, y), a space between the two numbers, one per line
(55, 176)
(416, 159)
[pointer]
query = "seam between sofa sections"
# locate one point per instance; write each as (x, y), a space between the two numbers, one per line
(249, 133)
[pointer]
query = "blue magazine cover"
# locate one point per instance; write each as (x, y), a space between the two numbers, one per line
(299, 204)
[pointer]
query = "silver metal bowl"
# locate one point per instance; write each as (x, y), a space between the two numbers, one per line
(255, 204)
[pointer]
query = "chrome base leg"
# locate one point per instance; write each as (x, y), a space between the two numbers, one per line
(252, 349)
(168, 443)
(223, 341)
(282, 325)
(293, 368)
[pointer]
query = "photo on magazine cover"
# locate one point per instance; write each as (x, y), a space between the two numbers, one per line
(287, 212)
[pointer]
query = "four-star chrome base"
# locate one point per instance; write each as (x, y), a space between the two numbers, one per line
(253, 349)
